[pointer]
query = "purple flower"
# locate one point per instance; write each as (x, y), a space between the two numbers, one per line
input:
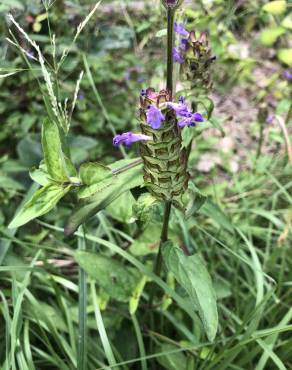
(179, 28)
(180, 108)
(190, 119)
(128, 138)
(287, 75)
(183, 44)
(270, 119)
(177, 57)
(154, 117)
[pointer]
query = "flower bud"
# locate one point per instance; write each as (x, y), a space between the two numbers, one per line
(174, 4)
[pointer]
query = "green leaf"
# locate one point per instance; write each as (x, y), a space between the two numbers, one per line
(213, 211)
(53, 154)
(148, 241)
(285, 56)
(270, 35)
(287, 22)
(96, 177)
(92, 173)
(123, 182)
(7, 183)
(42, 201)
(136, 295)
(116, 279)
(191, 273)
(275, 7)
(121, 209)
(144, 207)
(172, 361)
(40, 176)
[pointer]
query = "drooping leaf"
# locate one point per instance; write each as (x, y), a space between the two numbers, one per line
(122, 182)
(115, 278)
(191, 273)
(53, 154)
(275, 7)
(42, 201)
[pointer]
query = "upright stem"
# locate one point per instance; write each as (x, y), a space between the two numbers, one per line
(82, 330)
(169, 73)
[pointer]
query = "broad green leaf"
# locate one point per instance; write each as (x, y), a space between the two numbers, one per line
(123, 182)
(145, 207)
(148, 241)
(172, 361)
(92, 173)
(269, 36)
(191, 273)
(42, 201)
(116, 279)
(285, 56)
(275, 7)
(95, 178)
(53, 154)
(121, 209)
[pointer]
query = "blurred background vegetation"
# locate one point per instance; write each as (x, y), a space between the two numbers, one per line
(240, 160)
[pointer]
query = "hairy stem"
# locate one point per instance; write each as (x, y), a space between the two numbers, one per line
(82, 332)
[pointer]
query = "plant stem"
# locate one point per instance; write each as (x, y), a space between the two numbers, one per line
(82, 332)
(163, 237)
(169, 72)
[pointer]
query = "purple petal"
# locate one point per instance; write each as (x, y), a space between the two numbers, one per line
(128, 138)
(197, 117)
(177, 57)
(179, 28)
(179, 108)
(154, 117)
(270, 119)
(183, 44)
(287, 75)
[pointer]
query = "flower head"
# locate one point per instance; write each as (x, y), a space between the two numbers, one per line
(128, 138)
(171, 3)
(177, 57)
(154, 117)
(179, 29)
